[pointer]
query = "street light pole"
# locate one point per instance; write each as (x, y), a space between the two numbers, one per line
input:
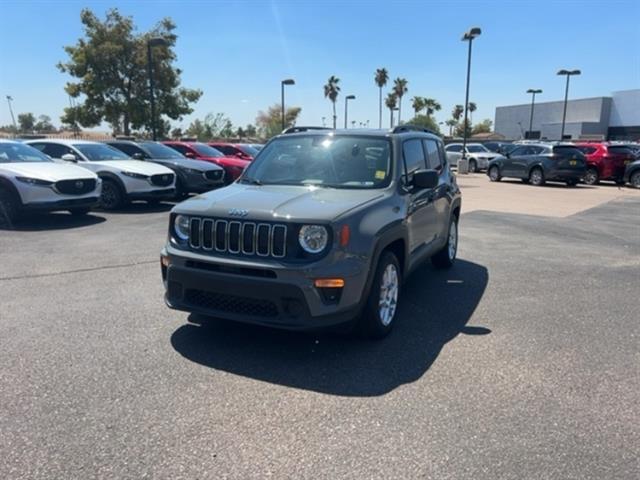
(153, 42)
(468, 37)
(346, 103)
(533, 101)
(568, 74)
(13, 119)
(288, 81)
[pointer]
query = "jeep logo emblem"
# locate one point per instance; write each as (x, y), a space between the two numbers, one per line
(238, 212)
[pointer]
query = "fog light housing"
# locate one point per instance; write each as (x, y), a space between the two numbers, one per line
(330, 289)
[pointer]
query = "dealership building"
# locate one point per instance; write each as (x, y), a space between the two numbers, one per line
(602, 118)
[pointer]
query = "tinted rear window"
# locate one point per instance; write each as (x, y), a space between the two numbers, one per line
(620, 150)
(587, 150)
(567, 151)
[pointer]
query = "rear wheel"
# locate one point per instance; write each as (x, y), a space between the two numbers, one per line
(591, 177)
(112, 196)
(635, 179)
(494, 174)
(572, 183)
(79, 211)
(379, 314)
(446, 257)
(536, 177)
(473, 166)
(9, 207)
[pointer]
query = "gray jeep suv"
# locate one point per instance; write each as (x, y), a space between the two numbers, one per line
(321, 229)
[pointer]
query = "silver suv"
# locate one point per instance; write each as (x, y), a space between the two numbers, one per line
(321, 229)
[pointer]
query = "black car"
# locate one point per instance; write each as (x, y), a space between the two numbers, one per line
(632, 174)
(539, 163)
(192, 176)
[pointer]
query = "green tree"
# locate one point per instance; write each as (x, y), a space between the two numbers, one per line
(176, 133)
(459, 131)
(331, 91)
(381, 79)
(472, 108)
(484, 126)
(457, 112)
(26, 122)
(391, 102)
(251, 131)
(451, 123)
(270, 122)
(425, 121)
(417, 103)
(44, 125)
(110, 67)
(431, 105)
(400, 88)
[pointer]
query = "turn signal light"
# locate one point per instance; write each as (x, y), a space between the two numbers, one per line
(329, 283)
(345, 234)
(164, 260)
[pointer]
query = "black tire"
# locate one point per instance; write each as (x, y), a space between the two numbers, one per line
(9, 207)
(572, 183)
(377, 320)
(620, 183)
(181, 193)
(473, 166)
(536, 177)
(494, 173)
(591, 177)
(525, 180)
(446, 257)
(77, 212)
(112, 196)
(634, 180)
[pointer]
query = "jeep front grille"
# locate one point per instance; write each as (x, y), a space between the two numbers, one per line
(237, 237)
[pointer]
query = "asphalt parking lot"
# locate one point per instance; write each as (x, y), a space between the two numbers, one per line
(520, 362)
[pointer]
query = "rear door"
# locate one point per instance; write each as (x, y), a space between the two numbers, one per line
(436, 160)
(454, 153)
(509, 165)
(422, 218)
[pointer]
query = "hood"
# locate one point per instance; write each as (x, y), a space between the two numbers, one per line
(274, 202)
(51, 172)
(135, 166)
(187, 163)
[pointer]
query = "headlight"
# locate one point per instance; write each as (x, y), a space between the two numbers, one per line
(313, 238)
(181, 227)
(139, 176)
(34, 181)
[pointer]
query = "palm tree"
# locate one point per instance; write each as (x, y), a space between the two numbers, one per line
(451, 123)
(417, 103)
(472, 108)
(331, 91)
(457, 112)
(381, 78)
(432, 106)
(400, 88)
(391, 102)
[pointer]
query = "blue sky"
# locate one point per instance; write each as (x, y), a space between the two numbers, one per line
(237, 52)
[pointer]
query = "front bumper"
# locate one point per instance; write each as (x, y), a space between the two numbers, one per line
(264, 293)
(84, 202)
(161, 194)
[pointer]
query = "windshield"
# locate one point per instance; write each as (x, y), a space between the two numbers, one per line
(326, 161)
(249, 150)
(476, 149)
(19, 152)
(159, 151)
(206, 150)
(98, 152)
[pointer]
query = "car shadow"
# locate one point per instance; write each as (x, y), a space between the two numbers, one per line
(51, 221)
(142, 207)
(434, 309)
(549, 184)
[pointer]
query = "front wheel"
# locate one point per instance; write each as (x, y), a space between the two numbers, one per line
(494, 174)
(536, 177)
(446, 257)
(591, 177)
(635, 179)
(379, 314)
(9, 208)
(112, 196)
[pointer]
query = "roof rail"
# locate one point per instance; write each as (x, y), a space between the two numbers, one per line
(302, 129)
(412, 128)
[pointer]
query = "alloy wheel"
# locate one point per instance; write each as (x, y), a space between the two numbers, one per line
(388, 295)
(453, 241)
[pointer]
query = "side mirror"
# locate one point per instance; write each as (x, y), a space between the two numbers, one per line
(425, 179)
(69, 157)
(189, 155)
(138, 156)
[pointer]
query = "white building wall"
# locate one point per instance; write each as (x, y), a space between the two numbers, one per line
(625, 108)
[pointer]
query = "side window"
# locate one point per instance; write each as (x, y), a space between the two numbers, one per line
(413, 157)
(454, 148)
(181, 148)
(520, 151)
(434, 162)
(128, 149)
(227, 150)
(54, 150)
(536, 150)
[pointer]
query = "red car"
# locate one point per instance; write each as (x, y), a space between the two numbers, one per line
(235, 150)
(233, 166)
(605, 161)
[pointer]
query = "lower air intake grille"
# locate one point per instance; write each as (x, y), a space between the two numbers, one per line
(232, 303)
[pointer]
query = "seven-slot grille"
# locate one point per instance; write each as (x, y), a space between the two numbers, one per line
(236, 237)
(78, 186)
(162, 179)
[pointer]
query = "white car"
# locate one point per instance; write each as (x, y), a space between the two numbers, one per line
(29, 180)
(123, 179)
(479, 156)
